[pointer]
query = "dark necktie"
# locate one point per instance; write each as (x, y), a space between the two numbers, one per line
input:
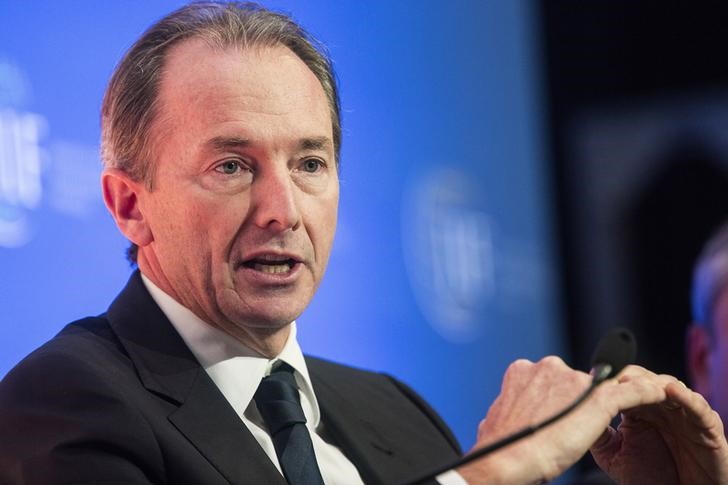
(279, 403)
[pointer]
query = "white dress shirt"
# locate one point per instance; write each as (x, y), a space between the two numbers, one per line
(237, 371)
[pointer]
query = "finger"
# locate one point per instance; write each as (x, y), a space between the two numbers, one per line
(661, 412)
(633, 369)
(634, 389)
(554, 372)
(697, 410)
(515, 383)
(637, 372)
(606, 447)
(682, 411)
(518, 375)
(607, 442)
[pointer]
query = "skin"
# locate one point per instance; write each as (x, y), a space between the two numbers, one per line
(669, 434)
(707, 350)
(246, 175)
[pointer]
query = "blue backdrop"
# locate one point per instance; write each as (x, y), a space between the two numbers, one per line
(443, 268)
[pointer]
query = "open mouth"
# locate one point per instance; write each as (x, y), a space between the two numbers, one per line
(269, 266)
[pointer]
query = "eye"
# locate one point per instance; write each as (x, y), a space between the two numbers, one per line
(312, 165)
(229, 167)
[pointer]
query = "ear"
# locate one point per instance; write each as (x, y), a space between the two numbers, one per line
(121, 196)
(699, 344)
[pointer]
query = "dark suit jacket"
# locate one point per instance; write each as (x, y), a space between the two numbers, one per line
(119, 398)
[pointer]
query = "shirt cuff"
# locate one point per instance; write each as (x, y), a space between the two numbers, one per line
(450, 477)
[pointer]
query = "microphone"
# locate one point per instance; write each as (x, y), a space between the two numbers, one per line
(615, 350)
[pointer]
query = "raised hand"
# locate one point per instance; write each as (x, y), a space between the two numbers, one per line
(677, 441)
(652, 446)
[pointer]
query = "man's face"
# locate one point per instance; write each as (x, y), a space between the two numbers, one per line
(244, 205)
(718, 358)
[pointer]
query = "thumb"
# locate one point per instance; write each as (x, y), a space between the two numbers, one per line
(604, 448)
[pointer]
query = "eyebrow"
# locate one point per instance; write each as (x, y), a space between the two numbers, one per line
(317, 143)
(222, 143)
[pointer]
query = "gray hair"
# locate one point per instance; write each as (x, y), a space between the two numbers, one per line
(710, 277)
(130, 105)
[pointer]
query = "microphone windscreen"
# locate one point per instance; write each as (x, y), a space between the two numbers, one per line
(617, 348)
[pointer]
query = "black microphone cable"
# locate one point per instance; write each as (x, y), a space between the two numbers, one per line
(614, 351)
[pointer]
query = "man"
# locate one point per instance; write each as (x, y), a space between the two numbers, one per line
(707, 342)
(220, 140)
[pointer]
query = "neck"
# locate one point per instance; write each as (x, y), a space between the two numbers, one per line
(268, 343)
(265, 340)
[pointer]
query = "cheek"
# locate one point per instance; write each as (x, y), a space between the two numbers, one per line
(319, 216)
(325, 222)
(200, 222)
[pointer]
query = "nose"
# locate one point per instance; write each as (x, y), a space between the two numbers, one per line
(273, 202)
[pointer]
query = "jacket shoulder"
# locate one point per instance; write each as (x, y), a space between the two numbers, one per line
(361, 387)
(64, 410)
(88, 343)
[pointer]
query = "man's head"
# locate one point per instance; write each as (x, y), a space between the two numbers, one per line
(130, 105)
(222, 165)
(707, 344)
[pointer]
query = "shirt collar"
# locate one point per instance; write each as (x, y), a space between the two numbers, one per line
(235, 368)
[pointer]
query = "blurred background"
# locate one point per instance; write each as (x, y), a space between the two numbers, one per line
(517, 177)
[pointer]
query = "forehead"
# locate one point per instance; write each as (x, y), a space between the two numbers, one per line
(218, 84)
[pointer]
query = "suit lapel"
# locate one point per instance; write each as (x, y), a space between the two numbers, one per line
(167, 367)
(208, 421)
(361, 441)
(388, 434)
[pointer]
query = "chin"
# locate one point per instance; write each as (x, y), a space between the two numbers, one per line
(269, 309)
(264, 318)
(244, 325)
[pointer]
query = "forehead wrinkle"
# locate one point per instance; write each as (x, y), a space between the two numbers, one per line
(231, 96)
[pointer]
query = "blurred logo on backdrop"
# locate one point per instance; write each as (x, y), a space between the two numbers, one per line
(465, 272)
(20, 157)
(449, 252)
(34, 169)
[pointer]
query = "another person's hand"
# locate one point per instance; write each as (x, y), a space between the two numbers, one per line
(678, 441)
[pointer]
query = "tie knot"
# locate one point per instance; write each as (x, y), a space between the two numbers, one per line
(278, 400)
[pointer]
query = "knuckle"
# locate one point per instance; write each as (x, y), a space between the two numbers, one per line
(482, 425)
(636, 370)
(552, 363)
(518, 366)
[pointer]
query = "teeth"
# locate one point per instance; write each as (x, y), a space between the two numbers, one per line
(272, 268)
